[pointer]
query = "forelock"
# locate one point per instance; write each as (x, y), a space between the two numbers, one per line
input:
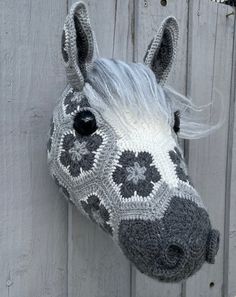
(129, 87)
(130, 90)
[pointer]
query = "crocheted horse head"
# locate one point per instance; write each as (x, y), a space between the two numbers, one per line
(114, 153)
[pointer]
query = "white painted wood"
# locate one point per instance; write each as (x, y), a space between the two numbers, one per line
(210, 61)
(48, 251)
(232, 230)
(97, 268)
(33, 218)
(149, 15)
(96, 265)
(232, 203)
(123, 30)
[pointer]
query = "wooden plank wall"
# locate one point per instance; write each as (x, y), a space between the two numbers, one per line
(33, 221)
(210, 59)
(47, 249)
(96, 266)
(231, 185)
(149, 14)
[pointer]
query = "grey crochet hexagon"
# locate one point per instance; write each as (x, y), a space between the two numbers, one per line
(135, 174)
(78, 153)
(97, 212)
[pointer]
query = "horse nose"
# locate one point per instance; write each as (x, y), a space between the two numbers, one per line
(174, 253)
(171, 248)
(152, 252)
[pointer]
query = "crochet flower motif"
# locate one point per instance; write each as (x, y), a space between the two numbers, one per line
(49, 143)
(78, 152)
(180, 168)
(97, 212)
(135, 174)
(72, 101)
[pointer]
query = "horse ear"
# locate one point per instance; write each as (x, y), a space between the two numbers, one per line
(77, 45)
(161, 51)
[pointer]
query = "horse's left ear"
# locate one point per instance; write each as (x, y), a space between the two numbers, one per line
(162, 49)
(78, 43)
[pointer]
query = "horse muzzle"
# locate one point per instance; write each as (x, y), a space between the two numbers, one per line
(171, 248)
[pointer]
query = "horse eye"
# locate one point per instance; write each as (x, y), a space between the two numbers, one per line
(85, 122)
(176, 121)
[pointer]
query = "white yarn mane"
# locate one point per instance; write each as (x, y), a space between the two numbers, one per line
(133, 87)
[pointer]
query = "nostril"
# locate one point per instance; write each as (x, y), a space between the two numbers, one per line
(174, 251)
(212, 245)
(173, 254)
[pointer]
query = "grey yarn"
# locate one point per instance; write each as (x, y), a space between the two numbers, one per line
(162, 49)
(134, 185)
(77, 58)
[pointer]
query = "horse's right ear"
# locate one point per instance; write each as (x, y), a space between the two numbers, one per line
(161, 52)
(77, 45)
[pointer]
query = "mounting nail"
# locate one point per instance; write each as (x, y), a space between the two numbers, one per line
(9, 283)
(163, 2)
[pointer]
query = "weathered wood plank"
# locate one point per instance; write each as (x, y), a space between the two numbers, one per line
(123, 31)
(96, 266)
(210, 60)
(232, 230)
(33, 219)
(232, 203)
(149, 14)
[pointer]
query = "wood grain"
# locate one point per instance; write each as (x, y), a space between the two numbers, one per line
(209, 74)
(33, 218)
(231, 222)
(47, 248)
(97, 268)
(232, 227)
(148, 16)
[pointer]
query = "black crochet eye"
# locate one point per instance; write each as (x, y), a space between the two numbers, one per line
(176, 121)
(85, 122)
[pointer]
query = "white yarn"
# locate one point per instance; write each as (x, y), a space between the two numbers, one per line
(126, 89)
